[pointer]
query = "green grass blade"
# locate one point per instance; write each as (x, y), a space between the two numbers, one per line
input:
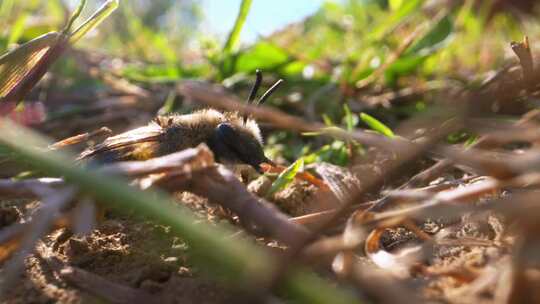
(74, 17)
(286, 177)
(103, 12)
(437, 34)
(395, 4)
(239, 261)
(5, 7)
(376, 125)
(398, 16)
(234, 35)
(17, 29)
(349, 118)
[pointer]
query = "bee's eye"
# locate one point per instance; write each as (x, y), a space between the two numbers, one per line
(245, 149)
(235, 140)
(230, 137)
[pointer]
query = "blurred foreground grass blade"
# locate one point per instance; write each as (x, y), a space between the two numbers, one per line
(23, 67)
(239, 261)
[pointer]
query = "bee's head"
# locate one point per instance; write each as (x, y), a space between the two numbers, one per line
(238, 140)
(235, 144)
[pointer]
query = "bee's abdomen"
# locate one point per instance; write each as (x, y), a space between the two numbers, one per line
(177, 138)
(172, 138)
(144, 151)
(139, 151)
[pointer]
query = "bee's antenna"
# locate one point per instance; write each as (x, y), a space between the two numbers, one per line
(254, 89)
(255, 86)
(269, 92)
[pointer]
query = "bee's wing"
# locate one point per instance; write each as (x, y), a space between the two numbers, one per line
(150, 133)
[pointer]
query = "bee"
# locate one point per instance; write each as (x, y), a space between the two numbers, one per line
(233, 139)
